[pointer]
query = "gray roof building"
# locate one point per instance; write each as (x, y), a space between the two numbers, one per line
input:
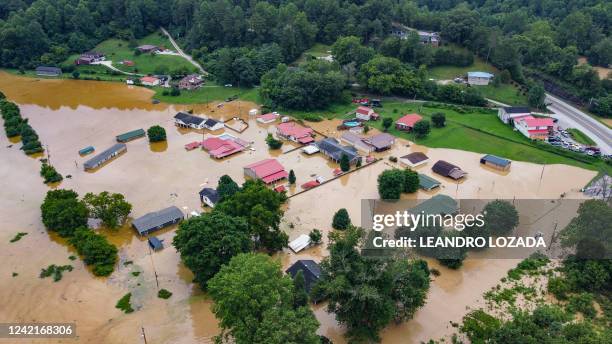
(106, 155)
(333, 149)
(157, 220)
(209, 196)
(447, 169)
(189, 120)
(48, 71)
(310, 269)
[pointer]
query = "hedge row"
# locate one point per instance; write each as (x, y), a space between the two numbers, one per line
(15, 125)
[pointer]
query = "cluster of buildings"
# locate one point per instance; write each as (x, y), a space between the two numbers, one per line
(110, 153)
(520, 117)
(425, 37)
(89, 57)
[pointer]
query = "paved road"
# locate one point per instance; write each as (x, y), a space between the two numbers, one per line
(182, 53)
(575, 118)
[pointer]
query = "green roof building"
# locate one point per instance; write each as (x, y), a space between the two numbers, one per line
(130, 135)
(427, 183)
(437, 205)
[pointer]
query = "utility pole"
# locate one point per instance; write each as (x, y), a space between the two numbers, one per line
(144, 336)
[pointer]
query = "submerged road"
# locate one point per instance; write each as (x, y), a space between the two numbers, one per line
(575, 118)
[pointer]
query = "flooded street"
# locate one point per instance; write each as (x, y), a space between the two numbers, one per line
(69, 115)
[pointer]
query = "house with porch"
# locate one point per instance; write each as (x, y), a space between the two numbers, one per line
(186, 120)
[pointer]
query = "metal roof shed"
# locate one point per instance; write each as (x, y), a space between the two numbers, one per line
(157, 220)
(106, 155)
(155, 243)
(300, 243)
(130, 135)
(495, 162)
(427, 183)
(437, 205)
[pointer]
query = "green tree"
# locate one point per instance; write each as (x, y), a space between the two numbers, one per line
(156, 134)
(63, 212)
(95, 249)
(500, 217)
(204, 248)
(291, 177)
(590, 230)
(315, 236)
(421, 128)
(367, 293)
(300, 296)
(387, 123)
(226, 187)
(256, 280)
(345, 164)
(260, 206)
(49, 174)
(349, 50)
(76, 74)
(391, 184)
(536, 96)
(341, 219)
(438, 119)
(411, 181)
(273, 143)
(111, 209)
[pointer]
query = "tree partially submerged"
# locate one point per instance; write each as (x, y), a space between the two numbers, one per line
(63, 212)
(111, 209)
(341, 219)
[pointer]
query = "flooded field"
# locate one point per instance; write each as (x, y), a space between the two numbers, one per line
(69, 115)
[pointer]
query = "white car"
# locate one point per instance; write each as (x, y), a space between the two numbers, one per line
(227, 85)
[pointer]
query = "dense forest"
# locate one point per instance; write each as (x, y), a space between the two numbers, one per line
(539, 39)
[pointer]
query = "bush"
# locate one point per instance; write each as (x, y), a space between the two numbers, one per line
(315, 236)
(411, 181)
(273, 143)
(582, 303)
(156, 134)
(313, 118)
(124, 303)
(391, 184)
(63, 212)
(55, 271)
(341, 219)
(164, 294)
(558, 286)
(421, 128)
(49, 174)
(96, 250)
(438, 119)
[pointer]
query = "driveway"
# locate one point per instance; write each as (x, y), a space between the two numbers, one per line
(182, 53)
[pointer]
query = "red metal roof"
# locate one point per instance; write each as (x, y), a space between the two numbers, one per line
(221, 148)
(268, 170)
(149, 79)
(294, 129)
(268, 117)
(409, 120)
(364, 110)
(306, 139)
(280, 188)
(311, 184)
(538, 122)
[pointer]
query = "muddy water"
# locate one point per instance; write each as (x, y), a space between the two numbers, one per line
(69, 115)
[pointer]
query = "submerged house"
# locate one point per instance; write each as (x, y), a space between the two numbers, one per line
(155, 243)
(334, 150)
(105, 156)
(496, 162)
(157, 220)
(212, 124)
(449, 170)
(268, 170)
(295, 132)
(427, 183)
(437, 205)
(209, 196)
(414, 159)
(380, 142)
(310, 269)
(350, 138)
(183, 119)
(220, 148)
(300, 243)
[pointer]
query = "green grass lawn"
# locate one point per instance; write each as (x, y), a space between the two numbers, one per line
(118, 50)
(451, 72)
(317, 50)
(505, 93)
(209, 92)
(493, 137)
(580, 137)
(99, 73)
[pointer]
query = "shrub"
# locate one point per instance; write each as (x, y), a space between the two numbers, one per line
(438, 119)
(421, 128)
(582, 303)
(273, 143)
(49, 174)
(96, 251)
(315, 236)
(55, 271)
(63, 212)
(313, 118)
(164, 294)
(156, 134)
(124, 303)
(341, 219)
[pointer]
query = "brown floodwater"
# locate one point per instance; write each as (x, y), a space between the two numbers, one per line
(69, 115)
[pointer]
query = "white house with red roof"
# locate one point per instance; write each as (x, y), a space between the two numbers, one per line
(268, 117)
(150, 81)
(219, 148)
(407, 122)
(535, 128)
(268, 170)
(294, 132)
(365, 113)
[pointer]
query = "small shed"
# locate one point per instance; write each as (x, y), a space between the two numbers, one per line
(130, 135)
(427, 183)
(209, 196)
(496, 162)
(414, 159)
(157, 220)
(310, 269)
(479, 78)
(300, 243)
(310, 149)
(155, 243)
(86, 150)
(449, 170)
